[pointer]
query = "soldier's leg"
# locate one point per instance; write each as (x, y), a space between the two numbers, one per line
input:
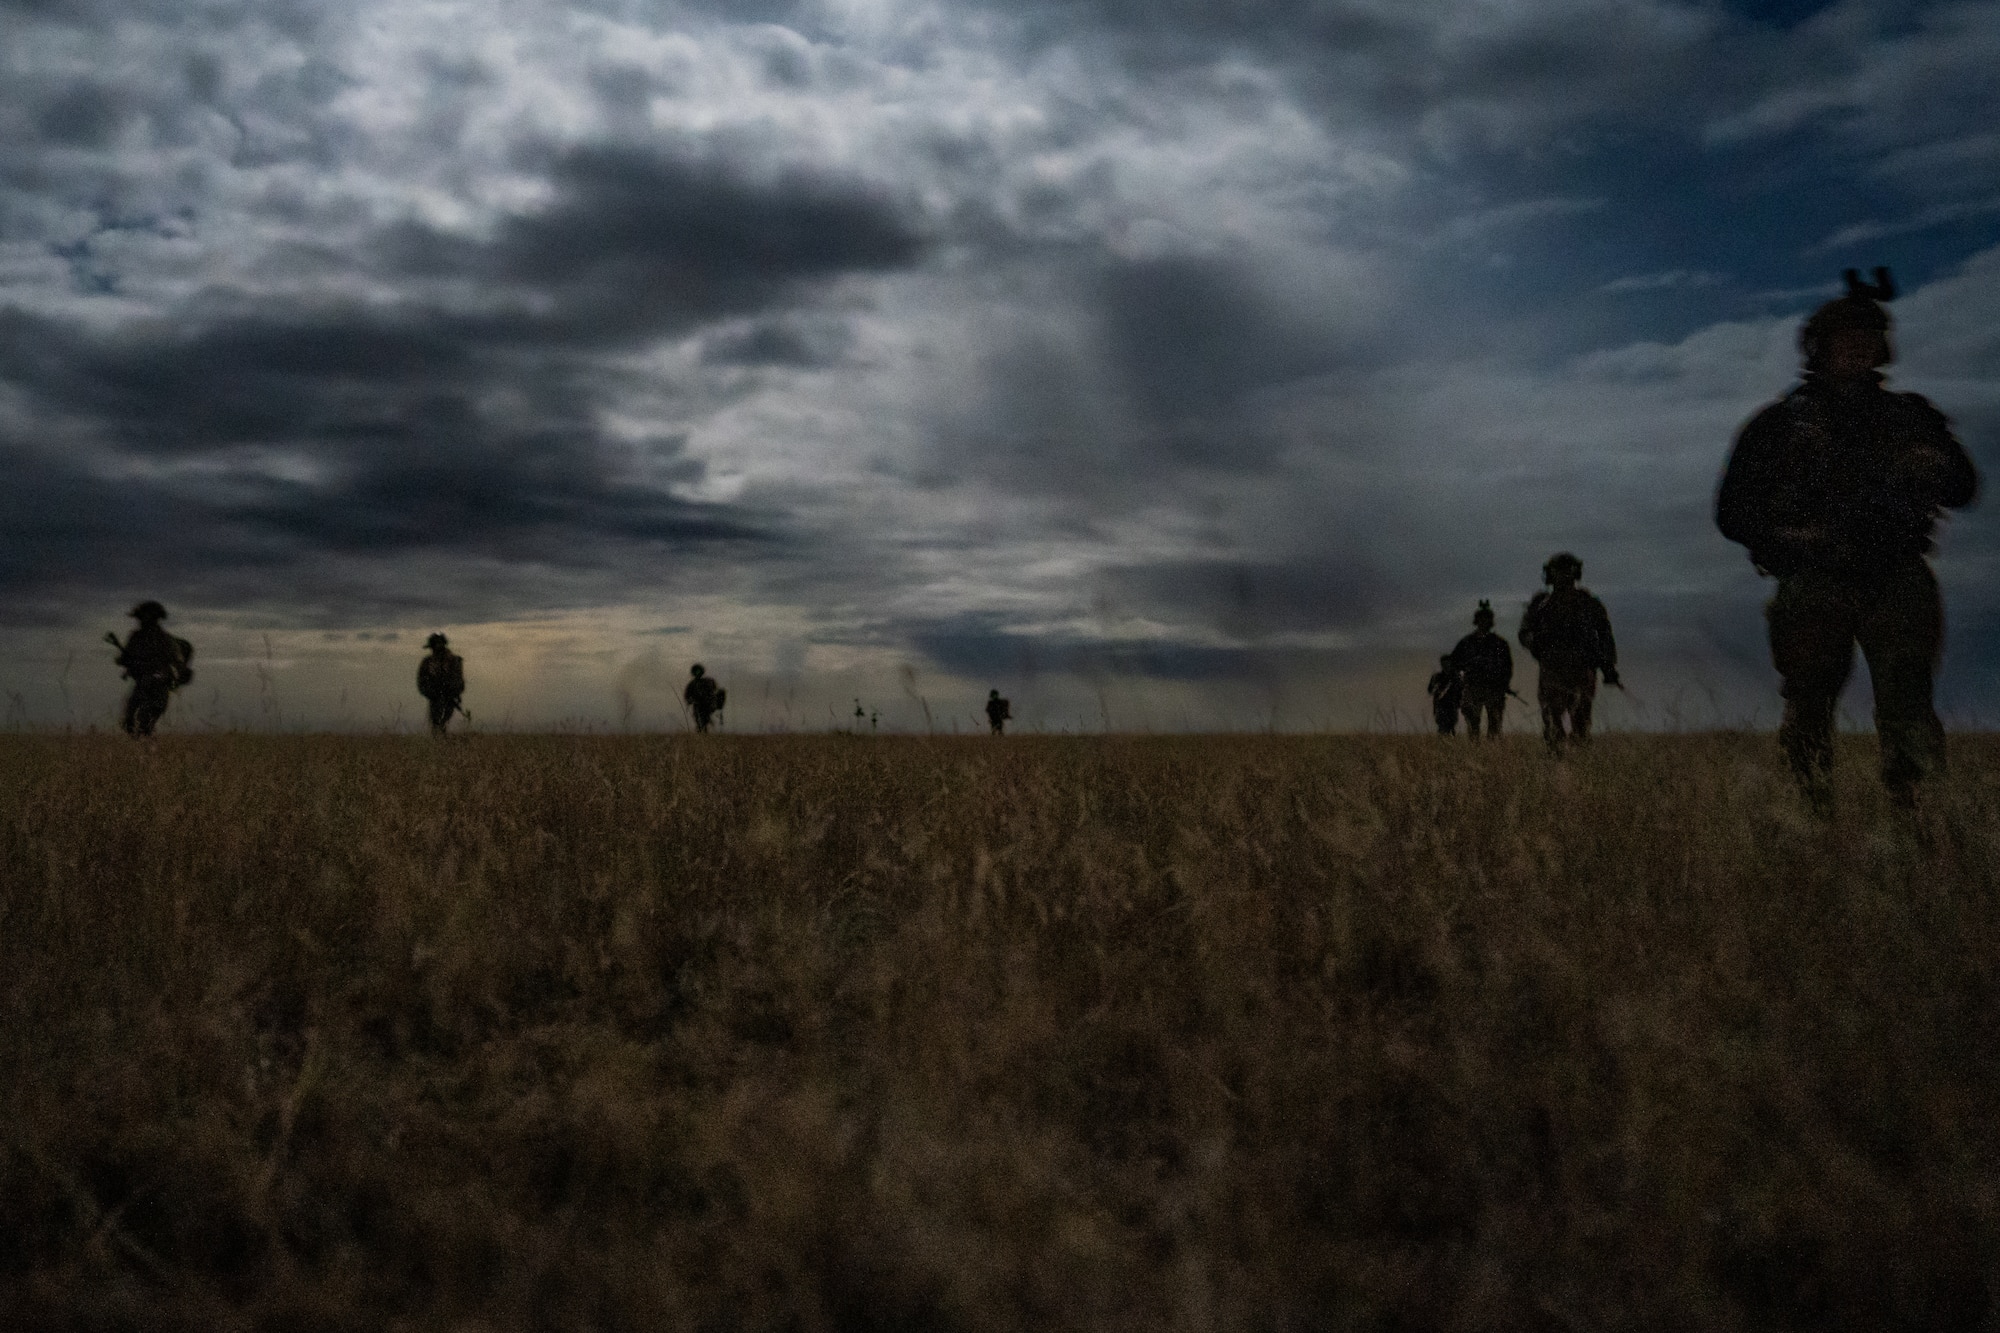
(1550, 695)
(1495, 710)
(1471, 712)
(1812, 623)
(151, 704)
(1581, 703)
(1901, 631)
(440, 715)
(130, 720)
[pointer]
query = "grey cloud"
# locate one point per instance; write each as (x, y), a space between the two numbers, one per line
(366, 433)
(1189, 337)
(1248, 599)
(794, 341)
(83, 115)
(1142, 373)
(641, 244)
(980, 648)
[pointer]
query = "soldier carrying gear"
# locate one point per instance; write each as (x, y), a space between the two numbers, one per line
(1446, 690)
(1568, 633)
(998, 711)
(441, 680)
(1836, 490)
(703, 698)
(156, 663)
(1485, 666)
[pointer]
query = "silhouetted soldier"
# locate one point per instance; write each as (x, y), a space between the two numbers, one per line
(1486, 666)
(998, 711)
(1836, 489)
(1568, 633)
(1446, 690)
(156, 663)
(704, 699)
(441, 680)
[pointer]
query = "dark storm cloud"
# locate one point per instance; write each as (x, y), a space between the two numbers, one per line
(1158, 370)
(641, 244)
(1247, 599)
(803, 343)
(1189, 338)
(271, 436)
(982, 648)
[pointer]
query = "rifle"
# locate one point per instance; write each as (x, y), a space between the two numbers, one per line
(1619, 686)
(112, 639)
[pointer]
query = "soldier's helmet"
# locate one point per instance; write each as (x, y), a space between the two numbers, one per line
(699, 670)
(1861, 308)
(1559, 561)
(1483, 617)
(147, 612)
(436, 641)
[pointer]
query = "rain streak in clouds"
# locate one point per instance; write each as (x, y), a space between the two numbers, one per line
(1218, 357)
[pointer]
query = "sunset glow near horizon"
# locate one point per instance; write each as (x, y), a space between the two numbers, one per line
(1165, 365)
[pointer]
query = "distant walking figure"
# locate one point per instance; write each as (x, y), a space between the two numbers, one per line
(703, 697)
(1836, 490)
(998, 710)
(1568, 632)
(441, 680)
(1447, 688)
(156, 663)
(1486, 666)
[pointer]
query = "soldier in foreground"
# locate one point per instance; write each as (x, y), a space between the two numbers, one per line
(1485, 665)
(998, 711)
(156, 663)
(1836, 489)
(441, 680)
(1568, 633)
(704, 699)
(1446, 690)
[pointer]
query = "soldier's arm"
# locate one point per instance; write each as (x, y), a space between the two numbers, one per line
(1743, 500)
(1531, 622)
(1934, 459)
(1607, 647)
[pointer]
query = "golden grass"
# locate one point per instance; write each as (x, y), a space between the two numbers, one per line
(825, 1033)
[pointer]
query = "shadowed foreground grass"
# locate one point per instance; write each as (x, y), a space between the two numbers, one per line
(826, 1033)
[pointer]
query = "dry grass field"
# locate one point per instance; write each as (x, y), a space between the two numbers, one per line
(842, 1033)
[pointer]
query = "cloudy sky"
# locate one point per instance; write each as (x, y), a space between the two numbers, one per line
(1164, 363)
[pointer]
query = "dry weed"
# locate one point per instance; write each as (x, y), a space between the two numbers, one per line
(825, 1033)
